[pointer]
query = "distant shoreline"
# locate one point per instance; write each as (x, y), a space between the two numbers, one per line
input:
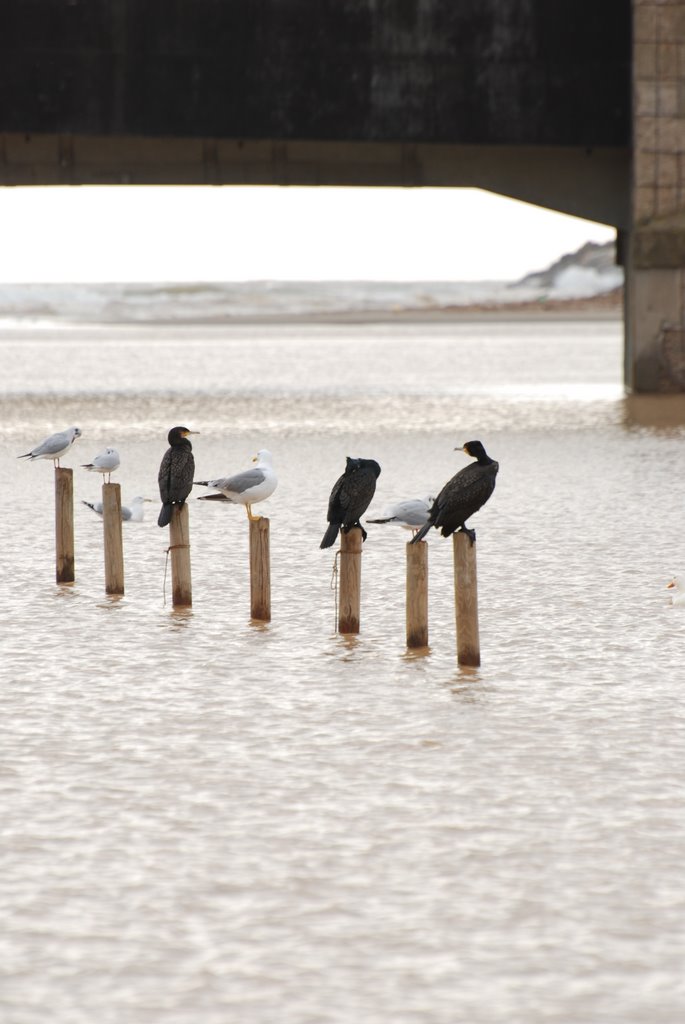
(607, 306)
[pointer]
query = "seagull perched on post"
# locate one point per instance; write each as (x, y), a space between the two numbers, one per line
(463, 495)
(176, 472)
(246, 488)
(53, 447)
(134, 514)
(105, 462)
(350, 498)
(411, 514)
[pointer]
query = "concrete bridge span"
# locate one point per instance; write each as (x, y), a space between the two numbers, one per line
(571, 104)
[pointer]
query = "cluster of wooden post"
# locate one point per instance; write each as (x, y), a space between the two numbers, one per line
(465, 593)
(65, 569)
(349, 602)
(179, 547)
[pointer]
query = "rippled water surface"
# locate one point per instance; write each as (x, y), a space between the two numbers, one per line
(206, 820)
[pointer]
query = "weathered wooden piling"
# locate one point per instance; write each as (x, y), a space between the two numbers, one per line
(349, 602)
(417, 594)
(114, 546)
(260, 570)
(64, 525)
(466, 600)
(179, 548)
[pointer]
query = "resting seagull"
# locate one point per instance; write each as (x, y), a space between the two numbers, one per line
(350, 497)
(55, 446)
(176, 472)
(134, 514)
(247, 488)
(411, 514)
(105, 462)
(463, 495)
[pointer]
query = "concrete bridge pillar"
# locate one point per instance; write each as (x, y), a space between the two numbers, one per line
(654, 250)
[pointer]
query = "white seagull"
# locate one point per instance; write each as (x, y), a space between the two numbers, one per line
(245, 488)
(677, 585)
(55, 446)
(134, 514)
(105, 461)
(411, 514)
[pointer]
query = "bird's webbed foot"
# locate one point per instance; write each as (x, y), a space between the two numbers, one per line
(471, 534)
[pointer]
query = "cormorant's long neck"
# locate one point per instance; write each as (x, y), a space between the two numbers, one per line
(485, 460)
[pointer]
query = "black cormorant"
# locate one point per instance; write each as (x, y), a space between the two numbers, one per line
(176, 472)
(463, 495)
(350, 498)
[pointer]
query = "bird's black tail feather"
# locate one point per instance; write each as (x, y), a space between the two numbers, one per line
(165, 514)
(421, 534)
(330, 535)
(390, 519)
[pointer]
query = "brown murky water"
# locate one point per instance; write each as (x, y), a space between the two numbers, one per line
(208, 821)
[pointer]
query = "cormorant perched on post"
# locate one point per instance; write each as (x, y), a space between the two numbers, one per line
(176, 472)
(350, 498)
(463, 495)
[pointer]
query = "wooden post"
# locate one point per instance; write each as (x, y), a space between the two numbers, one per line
(260, 570)
(114, 547)
(350, 580)
(417, 594)
(179, 546)
(64, 524)
(466, 600)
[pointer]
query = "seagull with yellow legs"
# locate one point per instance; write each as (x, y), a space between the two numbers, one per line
(246, 488)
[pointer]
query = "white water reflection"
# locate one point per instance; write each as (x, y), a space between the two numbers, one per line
(208, 821)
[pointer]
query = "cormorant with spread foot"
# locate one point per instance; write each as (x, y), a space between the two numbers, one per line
(463, 495)
(350, 498)
(176, 472)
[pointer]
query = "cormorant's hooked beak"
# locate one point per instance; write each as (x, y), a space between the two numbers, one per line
(186, 432)
(461, 448)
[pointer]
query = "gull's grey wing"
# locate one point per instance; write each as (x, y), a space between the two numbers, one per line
(241, 482)
(52, 444)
